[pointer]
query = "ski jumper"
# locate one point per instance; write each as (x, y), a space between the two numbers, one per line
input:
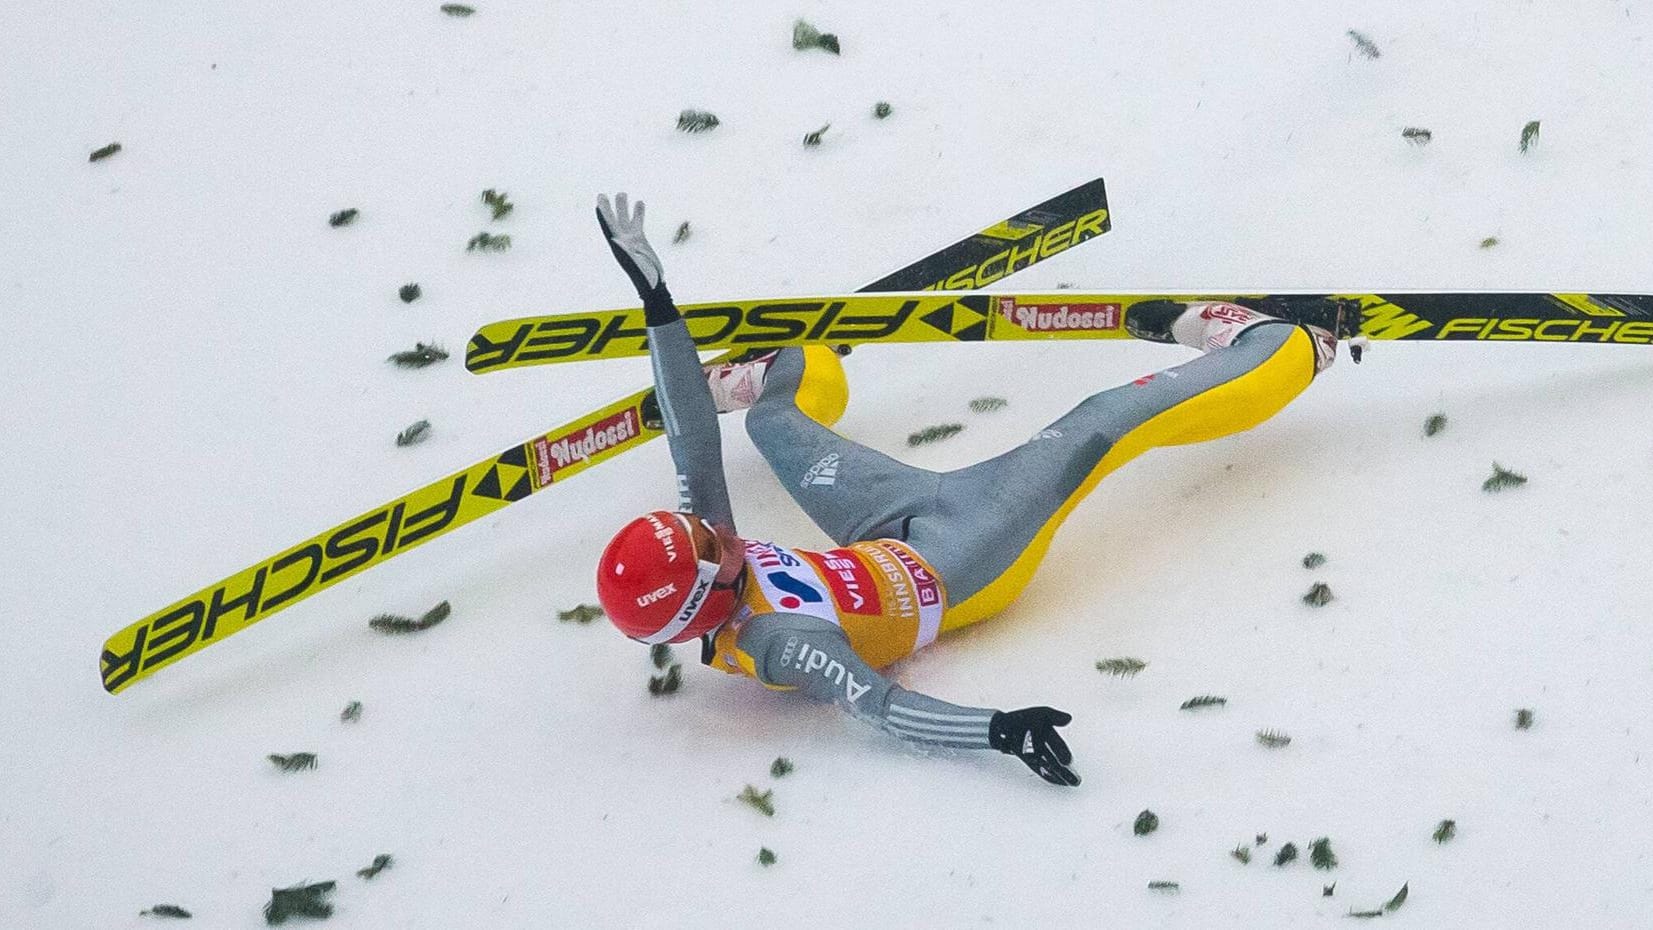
(934, 551)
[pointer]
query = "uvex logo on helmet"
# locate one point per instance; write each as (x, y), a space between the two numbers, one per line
(658, 579)
(658, 594)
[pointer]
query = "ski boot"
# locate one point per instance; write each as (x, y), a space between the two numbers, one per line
(1208, 325)
(822, 393)
(736, 385)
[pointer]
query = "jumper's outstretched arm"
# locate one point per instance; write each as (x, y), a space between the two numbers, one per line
(679, 383)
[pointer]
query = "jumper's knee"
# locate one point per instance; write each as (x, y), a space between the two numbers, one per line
(809, 380)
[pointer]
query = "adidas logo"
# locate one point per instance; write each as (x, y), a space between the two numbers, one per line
(824, 472)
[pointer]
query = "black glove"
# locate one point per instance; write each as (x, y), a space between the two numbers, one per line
(624, 230)
(1029, 734)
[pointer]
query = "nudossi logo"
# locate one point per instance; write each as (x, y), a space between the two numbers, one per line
(1060, 318)
(553, 455)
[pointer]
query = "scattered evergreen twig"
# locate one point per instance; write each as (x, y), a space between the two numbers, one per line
(762, 801)
(1242, 853)
(1204, 700)
(668, 683)
(1164, 886)
(814, 138)
(298, 901)
(1446, 831)
(988, 404)
(409, 293)
(419, 356)
(343, 217)
(499, 201)
(931, 434)
(380, 862)
(1313, 560)
(1121, 668)
(1489, 242)
(1416, 136)
(780, 767)
(1287, 853)
(580, 613)
(682, 234)
(1502, 478)
(166, 910)
(297, 762)
(697, 121)
(1389, 907)
(1523, 719)
(1366, 46)
(1320, 853)
(660, 654)
(457, 9)
(415, 433)
(765, 856)
(1262, 839)
(1319, 595)
(805, 36)
(488, 242)
(390, 623)
(1529, 136)
(1434, 424)
(352, 712)
(1273, 739)
(881, 110)
(1146, 823)
(105, 152)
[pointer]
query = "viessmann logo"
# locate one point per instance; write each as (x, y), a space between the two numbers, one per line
(1060, 318)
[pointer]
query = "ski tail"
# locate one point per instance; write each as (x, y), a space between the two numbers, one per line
(255, 593)
(1006, 247)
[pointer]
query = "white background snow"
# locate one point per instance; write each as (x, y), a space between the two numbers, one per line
(193, 379)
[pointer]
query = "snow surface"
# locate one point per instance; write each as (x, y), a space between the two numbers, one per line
(193, 380)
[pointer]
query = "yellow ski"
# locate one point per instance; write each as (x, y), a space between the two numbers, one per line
(972, 316)
(248, 596)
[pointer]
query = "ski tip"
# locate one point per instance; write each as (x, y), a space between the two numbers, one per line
(117, 671)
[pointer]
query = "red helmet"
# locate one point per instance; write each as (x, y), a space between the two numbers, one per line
(669, 577)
